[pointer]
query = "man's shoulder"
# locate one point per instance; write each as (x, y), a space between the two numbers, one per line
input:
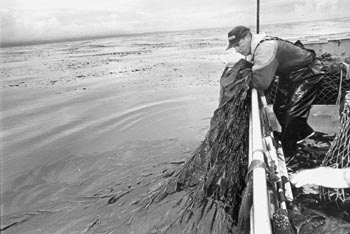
(267, 41)
(262, 42)
(266, 49)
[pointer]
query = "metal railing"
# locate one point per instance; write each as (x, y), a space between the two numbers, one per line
(260, 213)
(266, 160)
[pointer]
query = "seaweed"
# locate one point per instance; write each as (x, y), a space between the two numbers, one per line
(213, 179)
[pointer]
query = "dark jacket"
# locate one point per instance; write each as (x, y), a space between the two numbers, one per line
(272, 56)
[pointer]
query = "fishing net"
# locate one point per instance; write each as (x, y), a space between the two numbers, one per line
(334, 85)
(338, 155)
(211, 182)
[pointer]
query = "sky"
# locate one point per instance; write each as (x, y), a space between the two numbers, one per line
(32, 20)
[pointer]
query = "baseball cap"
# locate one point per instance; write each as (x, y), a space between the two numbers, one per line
(235, 35)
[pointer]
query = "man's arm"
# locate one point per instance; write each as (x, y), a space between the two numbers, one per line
(323, 176)
(265, 65)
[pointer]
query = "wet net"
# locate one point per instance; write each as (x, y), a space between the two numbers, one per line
(212, 181)
(338, 155)
(334, 85)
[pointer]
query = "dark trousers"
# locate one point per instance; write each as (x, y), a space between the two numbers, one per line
(292, 107)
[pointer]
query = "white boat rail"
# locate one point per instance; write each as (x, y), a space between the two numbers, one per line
(260, 212)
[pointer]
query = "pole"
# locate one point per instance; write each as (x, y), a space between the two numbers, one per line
(258, 16)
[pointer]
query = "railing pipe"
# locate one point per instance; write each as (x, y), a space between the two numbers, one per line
(261, 217)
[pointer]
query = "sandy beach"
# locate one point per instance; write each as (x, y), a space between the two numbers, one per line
(89, 126)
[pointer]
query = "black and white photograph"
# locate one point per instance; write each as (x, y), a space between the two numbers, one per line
(175, 117)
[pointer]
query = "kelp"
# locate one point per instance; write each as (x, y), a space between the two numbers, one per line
(213, 178)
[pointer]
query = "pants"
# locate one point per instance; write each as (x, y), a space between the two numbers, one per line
(295, 95)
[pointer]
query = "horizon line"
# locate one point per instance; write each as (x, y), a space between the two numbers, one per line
(114, 35)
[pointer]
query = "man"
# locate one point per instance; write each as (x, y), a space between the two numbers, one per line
(323, 176)
(299, 73)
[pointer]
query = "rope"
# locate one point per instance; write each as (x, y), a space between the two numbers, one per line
(340, 87)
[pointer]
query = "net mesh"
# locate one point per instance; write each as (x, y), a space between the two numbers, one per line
(338, 155)
(212, 181)
(333, 88)
(335, 85)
